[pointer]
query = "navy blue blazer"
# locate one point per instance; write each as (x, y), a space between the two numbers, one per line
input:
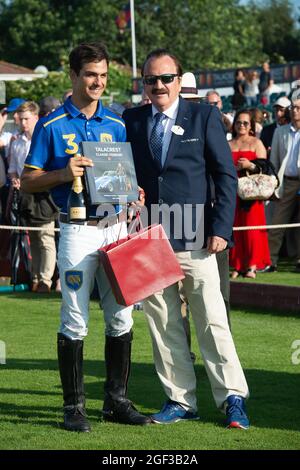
(199, 153)
(267, 133)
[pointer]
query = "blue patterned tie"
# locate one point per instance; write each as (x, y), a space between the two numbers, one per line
(156, 137)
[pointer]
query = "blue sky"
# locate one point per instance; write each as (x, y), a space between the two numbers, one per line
(296, 3)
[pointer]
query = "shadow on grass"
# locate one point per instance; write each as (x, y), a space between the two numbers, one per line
(54, 296)
(267, 311)
(32, 295)
(274, 401)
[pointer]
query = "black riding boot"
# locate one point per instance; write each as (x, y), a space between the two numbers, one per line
(116, 406)
(70, 360)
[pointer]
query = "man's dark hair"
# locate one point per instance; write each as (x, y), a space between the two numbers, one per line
(156, 53)
(85, 53)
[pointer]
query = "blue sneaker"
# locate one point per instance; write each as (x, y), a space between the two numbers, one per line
(172, 412)
(236, 412)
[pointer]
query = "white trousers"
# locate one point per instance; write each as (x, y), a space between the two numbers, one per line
(170, 349)
(78, 263)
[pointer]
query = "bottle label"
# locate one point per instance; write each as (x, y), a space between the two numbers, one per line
(77, 213)
(77, 185)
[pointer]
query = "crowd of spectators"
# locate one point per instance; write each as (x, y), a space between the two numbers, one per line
(14, 148)
(267, 112)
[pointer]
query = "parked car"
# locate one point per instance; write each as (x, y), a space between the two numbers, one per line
(109, 181)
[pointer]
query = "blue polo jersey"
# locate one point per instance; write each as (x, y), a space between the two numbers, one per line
(57, 138)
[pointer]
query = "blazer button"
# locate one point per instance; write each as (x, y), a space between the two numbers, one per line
(160, 201)
(160, 179)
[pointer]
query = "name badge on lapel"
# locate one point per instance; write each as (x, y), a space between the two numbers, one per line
(177, 130)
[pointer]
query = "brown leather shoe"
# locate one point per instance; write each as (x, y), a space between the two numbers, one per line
(34, 286)
(43, 288)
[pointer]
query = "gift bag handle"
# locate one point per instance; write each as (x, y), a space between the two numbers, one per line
(137, 223)
(250, 174)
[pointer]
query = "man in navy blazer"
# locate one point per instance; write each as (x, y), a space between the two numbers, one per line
(200, 151)
(177, 147)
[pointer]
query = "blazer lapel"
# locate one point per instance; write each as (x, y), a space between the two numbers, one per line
(181, 121)
(145, 126)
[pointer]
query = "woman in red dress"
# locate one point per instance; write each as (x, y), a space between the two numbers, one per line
(251, 249)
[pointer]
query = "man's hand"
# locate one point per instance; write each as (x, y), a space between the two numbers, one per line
(15, 182)
(216, 244)
(142, 196)
(76, 166)
(3, 117)
(134, 206)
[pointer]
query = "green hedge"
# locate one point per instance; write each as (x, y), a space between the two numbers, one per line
(56, 83)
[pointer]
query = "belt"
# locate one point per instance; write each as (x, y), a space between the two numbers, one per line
(291, 178)
(92, 221)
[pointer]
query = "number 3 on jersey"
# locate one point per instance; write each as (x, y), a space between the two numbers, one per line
(73, 147)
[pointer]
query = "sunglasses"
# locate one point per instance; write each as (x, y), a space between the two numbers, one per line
(213, 103)
(243, 123)
(165, 78)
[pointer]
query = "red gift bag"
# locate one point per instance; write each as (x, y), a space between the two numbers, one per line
(140, 265)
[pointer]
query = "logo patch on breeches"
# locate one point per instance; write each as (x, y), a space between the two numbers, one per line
(74, 279)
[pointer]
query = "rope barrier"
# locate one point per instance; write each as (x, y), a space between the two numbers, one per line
(33, 229)
(235, 229)
(266, 227)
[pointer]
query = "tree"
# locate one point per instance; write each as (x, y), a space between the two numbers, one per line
(35, 32)
(32, 33)
(56, 83)
(209, 34)
(281, 38)
(201, 32)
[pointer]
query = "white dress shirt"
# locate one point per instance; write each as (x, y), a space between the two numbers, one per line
(18, 153)
(168, 122)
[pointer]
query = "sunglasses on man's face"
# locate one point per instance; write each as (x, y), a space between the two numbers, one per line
(165, 78)
(243, 123)
(213, 103)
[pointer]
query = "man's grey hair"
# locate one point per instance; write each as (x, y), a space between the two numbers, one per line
(296, 95)
(212, 92)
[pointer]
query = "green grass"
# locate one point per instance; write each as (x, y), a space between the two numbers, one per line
(31, 400)
(285, 275)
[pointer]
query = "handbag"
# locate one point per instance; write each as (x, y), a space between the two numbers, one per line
(257, 186)
(140, 265)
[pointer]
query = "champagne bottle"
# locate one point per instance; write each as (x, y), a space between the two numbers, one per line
(76, 202)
